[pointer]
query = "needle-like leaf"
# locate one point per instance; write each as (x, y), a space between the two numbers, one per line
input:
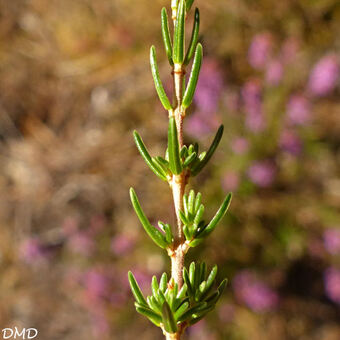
(191, 202)
(189, 160)
(195, 71)
(179, 34)
(181, 310)
(173, 146)
(154, 285)
(163, 282)
(209, 282)
(198, 200)
(147, 158)
(194, 38)
(137, 293)
(218, 216)
(166, 35)
(157, 80)
(150, 314)
(168, 319)
(197, 168)
(189, 4)
(154, 233)
(199, 214)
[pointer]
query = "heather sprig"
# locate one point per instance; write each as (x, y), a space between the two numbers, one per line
(189, 294)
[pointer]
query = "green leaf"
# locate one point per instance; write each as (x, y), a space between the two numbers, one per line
(199, 215)
(154, 286)
(218, 216)
(203, 271)
(150, 314)
(182, 292)
(185, 204)
(191, 202)
(181, 310)
(184, 152)
(167, 229)
(166, 35)
(198, 201)
(194, 38)
(196, 169)
(162, 161)
(137, 293)
(196, 66)
(154, 233)
(188, 314)
(179, 34)
(173, 146)
(157, 80)
(187, 281)
(163, 282)
(222, 286)
(189, 4)
(186, 232)
(147, 158)
(189, 160)
(192, 270)
(182, 217)
(168, 319)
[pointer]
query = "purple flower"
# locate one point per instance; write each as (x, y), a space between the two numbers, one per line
(260, 50)
(331, 238)
(96, 283)
(252, 99)
(198, 125)
(239, 145)
(253, 292)
(332, 284)
(324, 76)
(122, 244)
(209, 87)
(290, 142)
(31, 250)
(230, 181)
(82, 243)
(298, 110)
(262, 173)
(274, 72)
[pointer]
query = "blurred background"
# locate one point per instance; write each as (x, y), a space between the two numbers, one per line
(75, 81)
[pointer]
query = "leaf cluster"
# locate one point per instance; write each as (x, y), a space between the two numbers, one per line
(168, 307)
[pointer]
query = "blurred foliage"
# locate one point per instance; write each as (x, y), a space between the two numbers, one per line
(75, 82)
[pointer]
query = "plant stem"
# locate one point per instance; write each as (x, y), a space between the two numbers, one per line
(178, 182)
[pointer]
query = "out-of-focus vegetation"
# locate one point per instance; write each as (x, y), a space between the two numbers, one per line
(75, 82)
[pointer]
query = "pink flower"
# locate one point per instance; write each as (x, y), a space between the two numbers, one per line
(252, 99)
(122, 244)
(209, 87)
(31, 250)
(260, 50)
(332, 284)
(254, 292)
(82, 243)
(274, 72)
(262, 173)
(298, 110)
(331, 239)
(230, 181)
(324, 76)
(239, 145)
(290, 142)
